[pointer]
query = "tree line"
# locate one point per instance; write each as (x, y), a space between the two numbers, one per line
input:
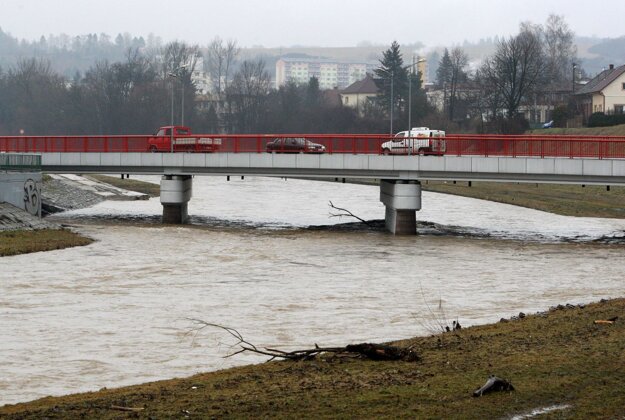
(536, 66)
(149, 87)
(146, 90)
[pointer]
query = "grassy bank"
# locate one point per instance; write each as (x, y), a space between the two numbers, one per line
(615, 130)
(560, 357)
(25, 241)
(568, 200)
(153, 190)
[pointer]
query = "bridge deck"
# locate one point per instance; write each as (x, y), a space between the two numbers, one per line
(518, 169)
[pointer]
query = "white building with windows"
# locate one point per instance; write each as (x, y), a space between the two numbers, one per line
(201, 78)
(331, 74)
(604, 93)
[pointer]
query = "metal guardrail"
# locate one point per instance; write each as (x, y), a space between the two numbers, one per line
(20, 162)
(568, 146)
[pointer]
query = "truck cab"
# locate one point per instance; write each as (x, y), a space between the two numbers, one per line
(417, 141)
(183, 140)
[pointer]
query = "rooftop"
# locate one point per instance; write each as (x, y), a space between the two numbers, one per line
(602, 80)
(366, 85)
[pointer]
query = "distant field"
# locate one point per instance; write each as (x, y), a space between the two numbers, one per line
(615, 130)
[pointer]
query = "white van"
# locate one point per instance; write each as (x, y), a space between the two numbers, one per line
(419, 140)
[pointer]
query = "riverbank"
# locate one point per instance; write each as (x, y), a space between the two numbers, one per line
(560, 360)
(22, 233)
(15, 242)
(615, 130)
(566, 200)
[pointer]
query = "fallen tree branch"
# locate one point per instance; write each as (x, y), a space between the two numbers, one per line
(120, 408)
(346, 213)
(370, 351)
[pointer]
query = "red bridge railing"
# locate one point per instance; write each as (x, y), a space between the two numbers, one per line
(456, 144)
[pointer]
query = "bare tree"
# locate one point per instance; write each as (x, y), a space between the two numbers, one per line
(516, 68)
(247, 95)
(560, 50)
(176, 54)
(35, 97)
(220, 59)
(457, 75)
(486, 100)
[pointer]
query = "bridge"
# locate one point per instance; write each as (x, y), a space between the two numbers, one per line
(536, 159)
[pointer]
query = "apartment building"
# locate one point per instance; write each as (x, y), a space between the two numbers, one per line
(330, 73)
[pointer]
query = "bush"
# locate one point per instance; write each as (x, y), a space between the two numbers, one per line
(560, 115)
(501, 125)
(599, 119)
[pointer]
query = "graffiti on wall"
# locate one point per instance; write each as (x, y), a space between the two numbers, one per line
(32, 202)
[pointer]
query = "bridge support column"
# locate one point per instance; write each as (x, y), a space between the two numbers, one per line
(402, 199)
(175, 194)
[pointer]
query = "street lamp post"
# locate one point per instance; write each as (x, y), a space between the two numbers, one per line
(411, 66)
(182, 102)
(574, 68)
(392, 74)
(174, 75)
(392, 100)
(171, 129)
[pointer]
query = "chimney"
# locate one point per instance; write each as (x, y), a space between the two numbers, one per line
(611, 66)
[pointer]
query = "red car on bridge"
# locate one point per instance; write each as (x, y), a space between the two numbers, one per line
(184, 141)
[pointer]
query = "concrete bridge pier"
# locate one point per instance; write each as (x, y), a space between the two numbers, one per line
(176, 192)
(402, 200)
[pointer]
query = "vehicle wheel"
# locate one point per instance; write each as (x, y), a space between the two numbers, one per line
(386, 152)
(153, 149)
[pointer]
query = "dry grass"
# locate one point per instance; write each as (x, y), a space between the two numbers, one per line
(26, 241)
(561, 357)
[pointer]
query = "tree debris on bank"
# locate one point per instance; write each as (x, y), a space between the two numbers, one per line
(370, 351)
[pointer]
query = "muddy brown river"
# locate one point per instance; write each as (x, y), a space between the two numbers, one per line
(116, 312)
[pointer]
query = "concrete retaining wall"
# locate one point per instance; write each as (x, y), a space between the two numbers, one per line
(22, 190)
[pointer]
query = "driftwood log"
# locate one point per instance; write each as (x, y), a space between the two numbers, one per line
(493, 384)
(370, 351)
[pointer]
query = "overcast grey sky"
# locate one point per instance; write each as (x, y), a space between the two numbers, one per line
(329, 23)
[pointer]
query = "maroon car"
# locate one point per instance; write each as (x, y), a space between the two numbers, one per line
(294, 145)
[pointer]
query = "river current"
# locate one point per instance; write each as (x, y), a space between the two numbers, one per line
(265, 256)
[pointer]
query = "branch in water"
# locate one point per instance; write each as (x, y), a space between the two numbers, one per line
(346, 213)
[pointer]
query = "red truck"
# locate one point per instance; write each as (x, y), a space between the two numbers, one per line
(184, 141)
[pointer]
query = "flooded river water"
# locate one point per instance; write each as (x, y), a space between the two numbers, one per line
(116, 312)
